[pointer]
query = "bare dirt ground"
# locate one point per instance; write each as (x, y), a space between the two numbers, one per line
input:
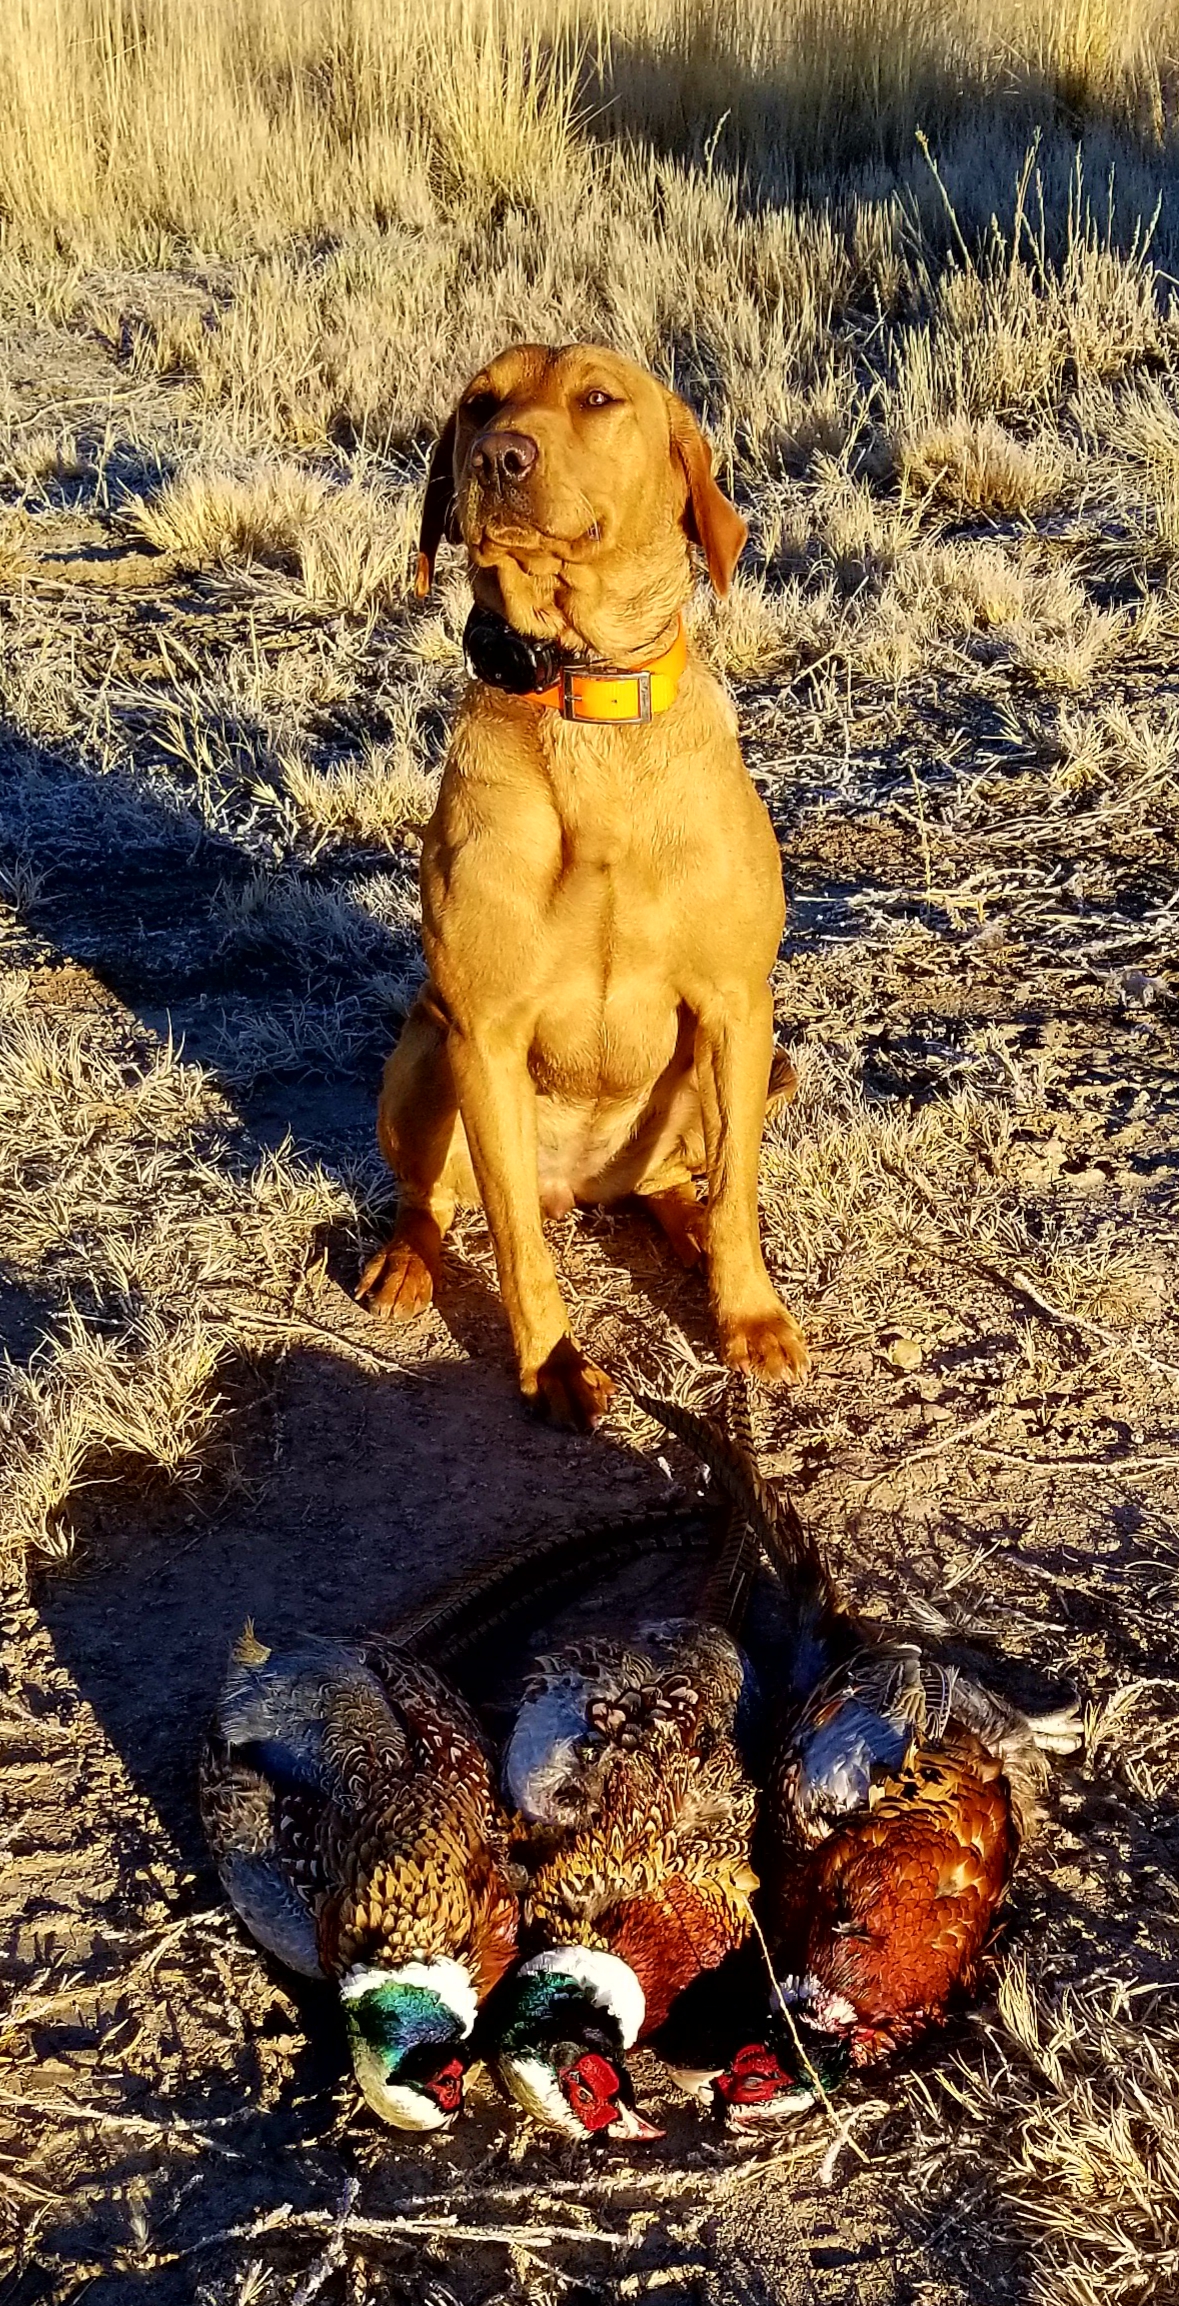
(974, 1207)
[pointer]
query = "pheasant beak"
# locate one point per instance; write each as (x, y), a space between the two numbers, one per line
(631, 2125)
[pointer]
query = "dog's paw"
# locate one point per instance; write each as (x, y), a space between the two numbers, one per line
(397, 1283)
(569, 1389)
(769, 1344)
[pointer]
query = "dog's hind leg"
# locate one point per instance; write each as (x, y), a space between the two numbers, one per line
(671, 1194)
(682, 1219)
(783, 1088)
(421, 1136)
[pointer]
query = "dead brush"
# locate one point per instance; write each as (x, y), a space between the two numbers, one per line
(980, 468)
(364, 802)
(114, 1178)
(105, 1408)
(1076, 2095)
(865, 1187)
(206, 517)
(317, 928)
(304, 1040)
(348, 549)
(1128, 759)
(31, 460)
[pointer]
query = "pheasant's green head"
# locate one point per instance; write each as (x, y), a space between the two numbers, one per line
(557, 2030)
(798, 2060)
(408, 2030)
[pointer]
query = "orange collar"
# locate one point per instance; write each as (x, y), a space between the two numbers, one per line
(625, 697)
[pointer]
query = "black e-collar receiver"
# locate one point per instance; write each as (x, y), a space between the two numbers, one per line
(493, 651)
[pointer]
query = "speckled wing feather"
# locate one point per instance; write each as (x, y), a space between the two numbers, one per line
(640, 1813)
(862, 1718)
(349, 1782)
(676, 1684)
(264, 1839)
(890, 1914)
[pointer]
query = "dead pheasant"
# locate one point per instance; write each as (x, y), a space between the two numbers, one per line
(898, 1800)
(635, 1814)
(349, 1801)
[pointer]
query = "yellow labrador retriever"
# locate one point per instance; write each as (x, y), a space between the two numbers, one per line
(601, 888)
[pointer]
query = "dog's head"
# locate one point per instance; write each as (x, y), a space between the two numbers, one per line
(577, 483)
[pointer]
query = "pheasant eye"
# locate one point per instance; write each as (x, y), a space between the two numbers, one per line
(753, 2077)
(591, 2088)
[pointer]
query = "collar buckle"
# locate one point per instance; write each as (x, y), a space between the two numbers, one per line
(572, 678)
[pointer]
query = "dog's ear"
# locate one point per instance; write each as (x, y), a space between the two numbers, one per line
(710, 520)
(437, 507)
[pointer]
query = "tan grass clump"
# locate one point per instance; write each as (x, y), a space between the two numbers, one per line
(101, 1408)
(303, 1040)
(206, 517)
(1079, 2101)
(748, 634)
(1129, 759)
(318, 929)
(356, 555)
(867, 1187)
(29, 460)
(119, 1187)
(348, 548)
(980, 468)
(364, 802)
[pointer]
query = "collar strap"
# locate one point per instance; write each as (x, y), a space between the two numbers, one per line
(622, 695)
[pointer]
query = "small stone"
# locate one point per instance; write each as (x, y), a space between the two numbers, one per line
(1087, 1180)
(904, 1353)
(1138, 989)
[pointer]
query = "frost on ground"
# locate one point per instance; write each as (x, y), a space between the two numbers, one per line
(942, 373)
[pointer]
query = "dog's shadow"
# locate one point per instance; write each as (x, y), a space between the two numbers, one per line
(368, 1496)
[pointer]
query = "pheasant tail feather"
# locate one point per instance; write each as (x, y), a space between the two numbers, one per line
(729, 1453)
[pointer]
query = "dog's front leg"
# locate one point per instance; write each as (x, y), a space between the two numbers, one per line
(498, 1105)
(734, 1049)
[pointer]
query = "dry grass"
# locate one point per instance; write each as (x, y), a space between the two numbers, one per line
(348, 547)
(248, 254)
(320, 929)
(860, 1189)
(124, 129)
(981, 468)
(366, 803)
(1080, 2086)
(120, 1189)
(106, 1409)
(29, 460)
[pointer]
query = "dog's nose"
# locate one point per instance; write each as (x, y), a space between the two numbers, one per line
(500, 458)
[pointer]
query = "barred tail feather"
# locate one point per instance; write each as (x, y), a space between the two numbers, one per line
(724, 1596)
(730, 1454)
(521, 1588)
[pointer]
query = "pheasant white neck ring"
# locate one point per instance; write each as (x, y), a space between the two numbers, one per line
(605, 1980)
(406, 2028)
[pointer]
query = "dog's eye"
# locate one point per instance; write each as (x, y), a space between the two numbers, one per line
(599, 399)
(481, 407)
